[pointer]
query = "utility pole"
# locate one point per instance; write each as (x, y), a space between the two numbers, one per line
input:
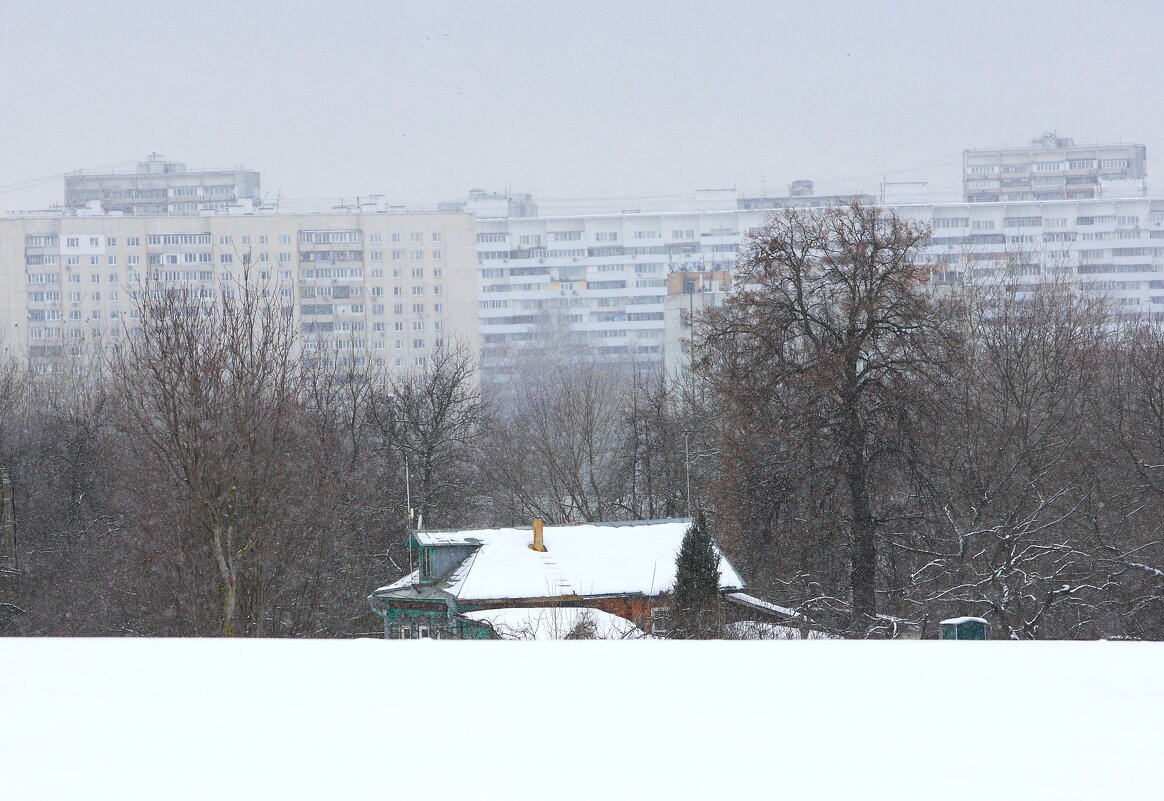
(7, 524)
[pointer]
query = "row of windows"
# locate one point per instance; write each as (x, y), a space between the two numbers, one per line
(203, 239)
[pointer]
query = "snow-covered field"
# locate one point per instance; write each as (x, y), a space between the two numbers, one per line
(366, 719)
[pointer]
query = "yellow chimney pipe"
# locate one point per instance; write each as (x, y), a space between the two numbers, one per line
(539, 543)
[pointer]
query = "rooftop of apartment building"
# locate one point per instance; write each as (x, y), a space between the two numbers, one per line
(1048, 141)
(155, 164)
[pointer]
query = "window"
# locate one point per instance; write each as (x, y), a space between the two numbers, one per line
(418, 272)
(418, 308)
(417, 255)
(436, 236)
(73, 242)
(416, 237)
(133, 241)
(284, 239)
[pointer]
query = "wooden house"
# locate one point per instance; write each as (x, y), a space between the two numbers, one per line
(625, 569)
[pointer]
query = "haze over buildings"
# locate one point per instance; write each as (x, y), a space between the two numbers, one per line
(623, 106)
(373, 281)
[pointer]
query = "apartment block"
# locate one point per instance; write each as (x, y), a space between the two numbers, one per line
(1114, 246)
(1054, 168)
(689, 294)
(595, 282)
(385, 287)
(160, 187)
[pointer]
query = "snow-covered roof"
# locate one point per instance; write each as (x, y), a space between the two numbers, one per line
(954, 621)
(555, 623)
(584, 559)
(756, 603)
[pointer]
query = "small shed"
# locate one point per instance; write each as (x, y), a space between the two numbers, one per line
(963, 628)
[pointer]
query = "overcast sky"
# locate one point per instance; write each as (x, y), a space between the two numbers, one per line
(422, 101)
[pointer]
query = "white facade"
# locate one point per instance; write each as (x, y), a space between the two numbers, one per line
(384, 287)
(596, 282)
(158, 187)
(1116, 246)
(1113, 246)
(1054, 168)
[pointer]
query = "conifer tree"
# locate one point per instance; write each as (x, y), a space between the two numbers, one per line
(695, 603)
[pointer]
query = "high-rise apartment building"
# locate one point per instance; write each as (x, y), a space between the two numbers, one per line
(597, 283)
(1054, 168)
(159, 187)
(594, 282)
(1115, 246)
(382, 286)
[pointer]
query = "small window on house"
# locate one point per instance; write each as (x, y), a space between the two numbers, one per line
(425, 563)
(405, 631)
(422, 632)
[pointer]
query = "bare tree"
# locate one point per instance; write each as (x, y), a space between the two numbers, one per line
(1012, 463)
(212, 395)
(825, 343)
(430, 424)
(556, 454)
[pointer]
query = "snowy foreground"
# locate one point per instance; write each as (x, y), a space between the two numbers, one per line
(366, 719)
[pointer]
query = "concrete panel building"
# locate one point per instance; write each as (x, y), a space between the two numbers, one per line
(385, 287)
(1054, 168)
(160, 187)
